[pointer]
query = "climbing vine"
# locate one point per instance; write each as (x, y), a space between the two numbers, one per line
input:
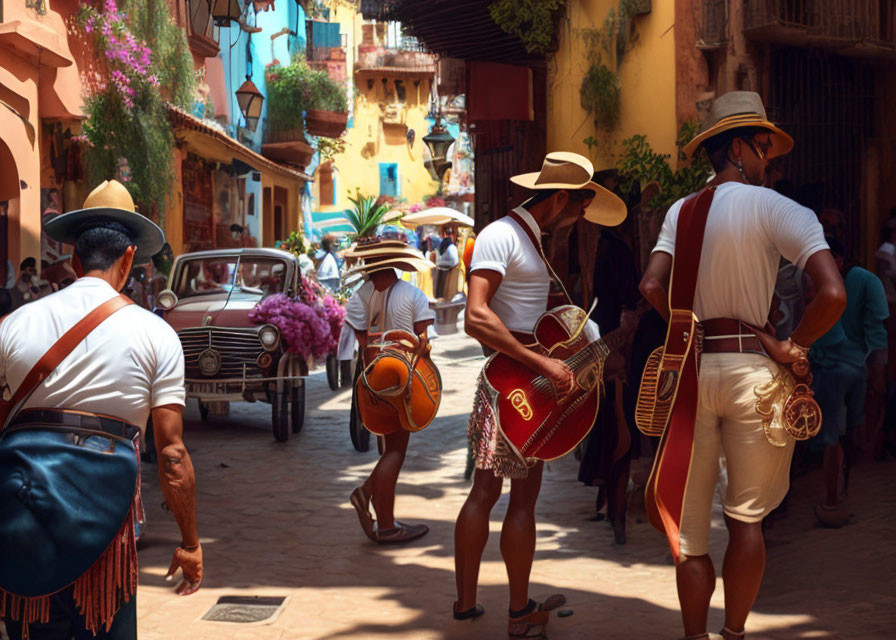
(532, 21)
(142, 62)
(640, 164)
(599, 93)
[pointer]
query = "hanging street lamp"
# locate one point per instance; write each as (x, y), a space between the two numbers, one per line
(438, 140)
(250, 100)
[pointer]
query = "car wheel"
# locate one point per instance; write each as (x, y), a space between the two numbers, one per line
(297, 406)
(359, 434)
(332, 371)
(280, 416)
(203, 411)
(345, 372)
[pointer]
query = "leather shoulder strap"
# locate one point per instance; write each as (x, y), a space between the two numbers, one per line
(58, 352)
(688, 247)
(537, 244)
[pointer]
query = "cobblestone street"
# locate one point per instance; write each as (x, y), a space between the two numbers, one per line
(275, 520)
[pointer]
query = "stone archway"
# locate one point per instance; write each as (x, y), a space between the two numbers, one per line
(9, 191)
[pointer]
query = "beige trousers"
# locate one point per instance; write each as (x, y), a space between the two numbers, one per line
(728, 427)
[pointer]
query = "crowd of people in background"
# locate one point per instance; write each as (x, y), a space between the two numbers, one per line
(853, 366)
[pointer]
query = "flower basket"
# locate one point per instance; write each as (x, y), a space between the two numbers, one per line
(328, 124)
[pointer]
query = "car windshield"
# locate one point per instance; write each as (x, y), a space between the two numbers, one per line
(245, 277)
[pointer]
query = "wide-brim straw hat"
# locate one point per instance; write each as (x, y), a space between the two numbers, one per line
(109, 202)
(571, 172)
(734, 110)
(378, 255)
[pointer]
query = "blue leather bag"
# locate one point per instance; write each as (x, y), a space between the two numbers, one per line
(64, 496)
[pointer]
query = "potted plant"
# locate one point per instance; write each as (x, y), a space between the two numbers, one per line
(327, 112)
(287, 97)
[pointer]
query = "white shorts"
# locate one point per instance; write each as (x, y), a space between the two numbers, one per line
(727, 425)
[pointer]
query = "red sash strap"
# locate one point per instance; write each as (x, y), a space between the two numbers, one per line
(666, 487)
(536, 242)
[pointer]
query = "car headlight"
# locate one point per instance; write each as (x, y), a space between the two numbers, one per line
(269, 336)
(166, 299)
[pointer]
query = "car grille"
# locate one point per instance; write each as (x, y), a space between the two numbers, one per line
(236, 347)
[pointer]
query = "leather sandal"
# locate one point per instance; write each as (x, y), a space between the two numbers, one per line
(468, 614)
(728, 634)
(361, 502)
(533, 623)
(400, 534)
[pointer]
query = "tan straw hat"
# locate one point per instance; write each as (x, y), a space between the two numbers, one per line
(377, 254)
(570, 171)
(109, 202)
(734, 110)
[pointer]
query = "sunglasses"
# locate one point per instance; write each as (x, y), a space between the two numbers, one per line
(761, 149)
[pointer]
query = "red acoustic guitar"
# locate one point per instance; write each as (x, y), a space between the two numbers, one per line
(534, 420)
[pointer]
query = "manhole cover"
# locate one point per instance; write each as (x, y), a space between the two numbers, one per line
(244, 609)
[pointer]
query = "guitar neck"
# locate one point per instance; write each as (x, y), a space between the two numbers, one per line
(598, 350)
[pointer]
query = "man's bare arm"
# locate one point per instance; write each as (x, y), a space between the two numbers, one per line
(655, 283)
(483, 324)
(178, 483)
(829, 302)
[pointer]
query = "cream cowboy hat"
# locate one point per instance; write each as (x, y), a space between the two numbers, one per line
(109, 202)
(376, 255)
(570, 171)
(734, 110)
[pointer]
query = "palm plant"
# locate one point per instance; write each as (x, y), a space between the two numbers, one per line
(366, 216)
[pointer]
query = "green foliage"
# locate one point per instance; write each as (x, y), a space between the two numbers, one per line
(641, 164)
(366, 216)
(605, 47)
(296, 88)
(295, 243)
(172, 63)
(143, 59)
(329, 148)
(599, 95)
(532, 21)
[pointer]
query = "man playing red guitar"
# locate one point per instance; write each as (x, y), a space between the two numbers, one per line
(508, 292)
(747, 229)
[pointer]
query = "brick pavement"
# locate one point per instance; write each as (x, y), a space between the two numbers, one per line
(275, 520)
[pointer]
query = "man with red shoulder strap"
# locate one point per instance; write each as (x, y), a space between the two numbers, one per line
(748, 229)
(99, 397)
(508, 291)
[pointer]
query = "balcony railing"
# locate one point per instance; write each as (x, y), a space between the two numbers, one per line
(373, 58)
(825, 23)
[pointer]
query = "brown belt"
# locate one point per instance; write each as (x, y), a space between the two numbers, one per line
(727, 335)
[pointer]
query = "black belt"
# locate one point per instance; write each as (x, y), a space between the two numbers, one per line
(74, 421)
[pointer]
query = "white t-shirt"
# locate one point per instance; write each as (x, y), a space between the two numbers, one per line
(522, 296)
(449, 259)
(406, 305)
(329, 268)
(747, 231)
(131, 363)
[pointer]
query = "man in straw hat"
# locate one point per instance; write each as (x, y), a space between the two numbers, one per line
(67, 564)
(508, 291)
(386, 303)
(748, 229)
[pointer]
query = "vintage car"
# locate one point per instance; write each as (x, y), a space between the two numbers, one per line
(229, 358)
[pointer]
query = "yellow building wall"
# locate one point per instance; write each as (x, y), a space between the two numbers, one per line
(369, 142)
(647, 81)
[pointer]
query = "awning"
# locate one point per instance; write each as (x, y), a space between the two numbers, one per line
(216, 145)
